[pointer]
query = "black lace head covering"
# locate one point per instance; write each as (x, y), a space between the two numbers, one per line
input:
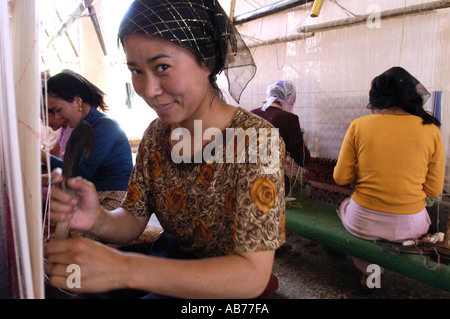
(201, 26)
(397, 87)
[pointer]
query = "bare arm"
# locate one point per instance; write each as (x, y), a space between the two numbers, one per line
(243, 275)
(118, 226)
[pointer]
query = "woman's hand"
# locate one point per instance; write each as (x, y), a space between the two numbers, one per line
(82, 208)
(94, 267)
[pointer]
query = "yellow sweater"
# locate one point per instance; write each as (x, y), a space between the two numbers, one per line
(394, 160)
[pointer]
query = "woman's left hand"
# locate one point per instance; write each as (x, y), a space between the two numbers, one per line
(83, 265)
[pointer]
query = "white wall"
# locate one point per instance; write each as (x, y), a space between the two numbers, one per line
(333, 69)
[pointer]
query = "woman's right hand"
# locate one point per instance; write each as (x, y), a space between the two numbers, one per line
(82, 208)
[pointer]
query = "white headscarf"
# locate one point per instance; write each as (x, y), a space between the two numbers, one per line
(283, 92)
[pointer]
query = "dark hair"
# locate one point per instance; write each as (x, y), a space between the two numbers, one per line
(396, 87)
(68, 84)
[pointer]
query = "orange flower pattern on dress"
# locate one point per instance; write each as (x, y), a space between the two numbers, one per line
(206, 174)
(204, 233)
(263, 193)
(210, 208)
(133, 194)
(156, 164)
(175, 201)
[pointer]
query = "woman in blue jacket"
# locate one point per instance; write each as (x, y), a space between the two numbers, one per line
(74, 99)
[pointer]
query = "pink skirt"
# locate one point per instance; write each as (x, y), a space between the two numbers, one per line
(374, 225)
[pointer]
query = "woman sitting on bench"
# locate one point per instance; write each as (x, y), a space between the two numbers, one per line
(395, 158)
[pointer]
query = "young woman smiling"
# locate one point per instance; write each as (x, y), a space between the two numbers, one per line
(222, 221)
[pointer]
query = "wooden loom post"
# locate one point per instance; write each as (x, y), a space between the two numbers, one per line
(23, 107)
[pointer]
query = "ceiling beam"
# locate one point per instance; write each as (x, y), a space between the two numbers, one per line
(268, 10)
(414, 9)
(77, 14)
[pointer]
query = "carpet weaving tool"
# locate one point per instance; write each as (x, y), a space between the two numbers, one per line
(80, 143)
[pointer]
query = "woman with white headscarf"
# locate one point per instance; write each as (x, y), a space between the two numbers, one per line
(277, 109)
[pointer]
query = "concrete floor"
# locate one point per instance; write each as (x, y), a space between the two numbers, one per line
(305, 270)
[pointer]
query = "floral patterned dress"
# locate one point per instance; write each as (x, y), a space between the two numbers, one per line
(214, 207)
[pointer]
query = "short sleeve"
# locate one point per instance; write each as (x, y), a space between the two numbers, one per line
(136, 201)
(260, 196)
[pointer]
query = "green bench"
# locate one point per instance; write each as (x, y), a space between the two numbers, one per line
(320, 223)
(314, 216)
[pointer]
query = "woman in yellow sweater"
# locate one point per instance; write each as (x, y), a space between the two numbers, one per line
(395, 158)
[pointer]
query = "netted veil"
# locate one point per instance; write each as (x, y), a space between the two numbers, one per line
(201, 26)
